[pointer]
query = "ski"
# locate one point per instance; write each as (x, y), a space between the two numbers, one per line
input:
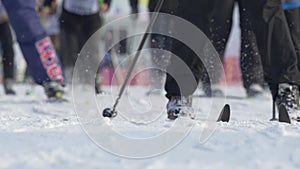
(283, 114)
(225, 114)
(57, 100)
(223, 117)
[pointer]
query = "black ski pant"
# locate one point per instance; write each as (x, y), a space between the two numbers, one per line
(161, 43)
(134, 4)
(75, 31)
(199, 13)
(250, 59)
(279, 58)
(275, 43)
(8, 52)
(293, 19)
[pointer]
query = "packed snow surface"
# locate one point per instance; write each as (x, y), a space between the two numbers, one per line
(38, 134)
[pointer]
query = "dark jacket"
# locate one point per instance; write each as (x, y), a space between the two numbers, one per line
(169, 6)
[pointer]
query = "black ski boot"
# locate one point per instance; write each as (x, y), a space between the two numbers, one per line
(53, 89)
(8, 87)
(287, 102)
(180, 106)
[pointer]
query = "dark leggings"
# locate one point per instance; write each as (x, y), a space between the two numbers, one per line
(7, 48)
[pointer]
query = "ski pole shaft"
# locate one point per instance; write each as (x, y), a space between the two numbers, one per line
(141, 45)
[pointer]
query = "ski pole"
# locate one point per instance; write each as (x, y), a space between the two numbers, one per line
(112, 112)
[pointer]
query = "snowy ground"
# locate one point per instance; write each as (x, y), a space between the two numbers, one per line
(37, 134)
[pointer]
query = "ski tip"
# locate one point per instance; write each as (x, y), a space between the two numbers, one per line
(283, 115)
(225, 114)
(226, 106)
